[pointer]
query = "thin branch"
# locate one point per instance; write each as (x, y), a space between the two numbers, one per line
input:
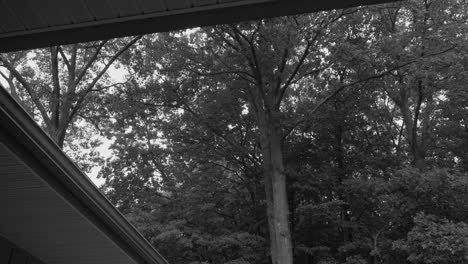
(312, 72)
(93, 122)
(4, 76)
(326, 99)
(28, 89)
(161, 105)
(11, 85)
(55, 97)
(284, 60)
(99, 75)
(293, 74)
(89, 63)
(238, 73)
(187, 108)
(225, 40)
(104, 87)
(341, 88)
(64, 57)
(238, 32)
(301, 62)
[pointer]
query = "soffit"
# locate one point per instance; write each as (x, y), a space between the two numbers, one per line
(26, 24)
(40, 221)
(50, 208)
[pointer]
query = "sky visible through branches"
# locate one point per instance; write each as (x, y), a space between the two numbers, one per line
(335, 137)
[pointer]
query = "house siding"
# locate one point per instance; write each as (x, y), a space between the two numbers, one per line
(11, 254)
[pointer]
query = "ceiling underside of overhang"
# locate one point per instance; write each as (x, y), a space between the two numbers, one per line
(50, 208)
(39, 220)
(26, 24)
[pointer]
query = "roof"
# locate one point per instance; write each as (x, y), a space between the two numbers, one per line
(26, 24)
(53, 210)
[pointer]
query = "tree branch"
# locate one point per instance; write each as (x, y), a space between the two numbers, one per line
(293, 74)
(98, 76)
(28, 89)
(89, 63)
(341, 88)
(64, 57)
(55, 97)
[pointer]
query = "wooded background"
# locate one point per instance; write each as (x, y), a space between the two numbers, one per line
(333, 137)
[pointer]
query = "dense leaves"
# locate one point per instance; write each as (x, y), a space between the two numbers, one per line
(435, 240)
(362, 112)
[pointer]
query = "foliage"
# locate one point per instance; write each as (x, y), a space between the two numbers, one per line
(435, 240)
(366, 109)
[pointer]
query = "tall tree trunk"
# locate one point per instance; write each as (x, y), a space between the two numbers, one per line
(340, 172)
(276, 194)
(411, 124)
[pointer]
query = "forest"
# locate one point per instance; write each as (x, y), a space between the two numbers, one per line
(337, 137)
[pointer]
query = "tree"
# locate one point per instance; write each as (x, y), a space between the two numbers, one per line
(180, 182)
(61, 95)
(221, 132)
(425, 38)
(428, 243)
(314, 100)
(267, 59)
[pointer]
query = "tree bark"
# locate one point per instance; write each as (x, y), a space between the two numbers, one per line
(410, 123)
(276, 192)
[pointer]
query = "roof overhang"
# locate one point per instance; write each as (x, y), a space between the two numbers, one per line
(50, 208)
(26, 24)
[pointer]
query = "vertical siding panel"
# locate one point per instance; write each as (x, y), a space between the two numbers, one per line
(34, 261)
(11, 254)
(18, 257)
(5, 251)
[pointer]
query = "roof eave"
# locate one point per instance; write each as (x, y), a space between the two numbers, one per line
(20, 133)
(172, 20)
